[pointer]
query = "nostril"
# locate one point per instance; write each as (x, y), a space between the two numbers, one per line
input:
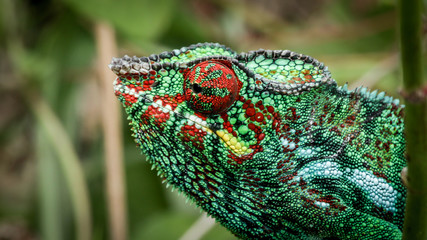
(196, 88)
(155, 84)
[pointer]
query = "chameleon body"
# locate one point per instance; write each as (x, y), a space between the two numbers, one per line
(267, 143)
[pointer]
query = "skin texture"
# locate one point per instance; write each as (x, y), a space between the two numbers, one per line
(267, 143)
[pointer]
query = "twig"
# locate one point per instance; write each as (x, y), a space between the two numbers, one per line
(199, 228)
(69, 162)
(415, 119)
(113, 149)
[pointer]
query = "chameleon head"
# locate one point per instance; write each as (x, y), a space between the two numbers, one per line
(174, 102)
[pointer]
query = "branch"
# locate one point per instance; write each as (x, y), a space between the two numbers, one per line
(199, 228)
(113, 144)
(69, 162)
(415, 118)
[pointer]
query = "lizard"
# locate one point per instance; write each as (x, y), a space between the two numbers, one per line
(267, 143)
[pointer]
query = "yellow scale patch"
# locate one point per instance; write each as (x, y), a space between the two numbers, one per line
(235, 144)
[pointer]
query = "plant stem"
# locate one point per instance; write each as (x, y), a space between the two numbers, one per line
(415, 118)
(49, 188)
(113, 144)
(199, 228)
(69, 162)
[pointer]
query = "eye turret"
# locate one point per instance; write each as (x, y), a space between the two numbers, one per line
(211, 87)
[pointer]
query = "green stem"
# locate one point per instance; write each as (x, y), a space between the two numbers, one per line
(49, 186)
(69, 162)
(415, 119)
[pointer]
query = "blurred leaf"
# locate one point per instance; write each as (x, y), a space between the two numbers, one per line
(49, 184)
(185, 29)
(145, 19)
(67, 158)
(164, 226)
(68, 41)
(67, 51)
(218, 232)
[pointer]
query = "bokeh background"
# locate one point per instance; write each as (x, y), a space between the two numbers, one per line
(53, 110)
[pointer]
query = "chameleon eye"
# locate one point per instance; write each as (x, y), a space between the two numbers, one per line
(210, 87)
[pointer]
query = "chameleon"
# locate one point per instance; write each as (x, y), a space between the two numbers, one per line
(267, 143)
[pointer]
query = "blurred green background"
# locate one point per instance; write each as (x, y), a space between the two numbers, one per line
(51, 102)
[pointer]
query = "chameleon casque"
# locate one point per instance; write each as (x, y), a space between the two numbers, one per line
(267, 143)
